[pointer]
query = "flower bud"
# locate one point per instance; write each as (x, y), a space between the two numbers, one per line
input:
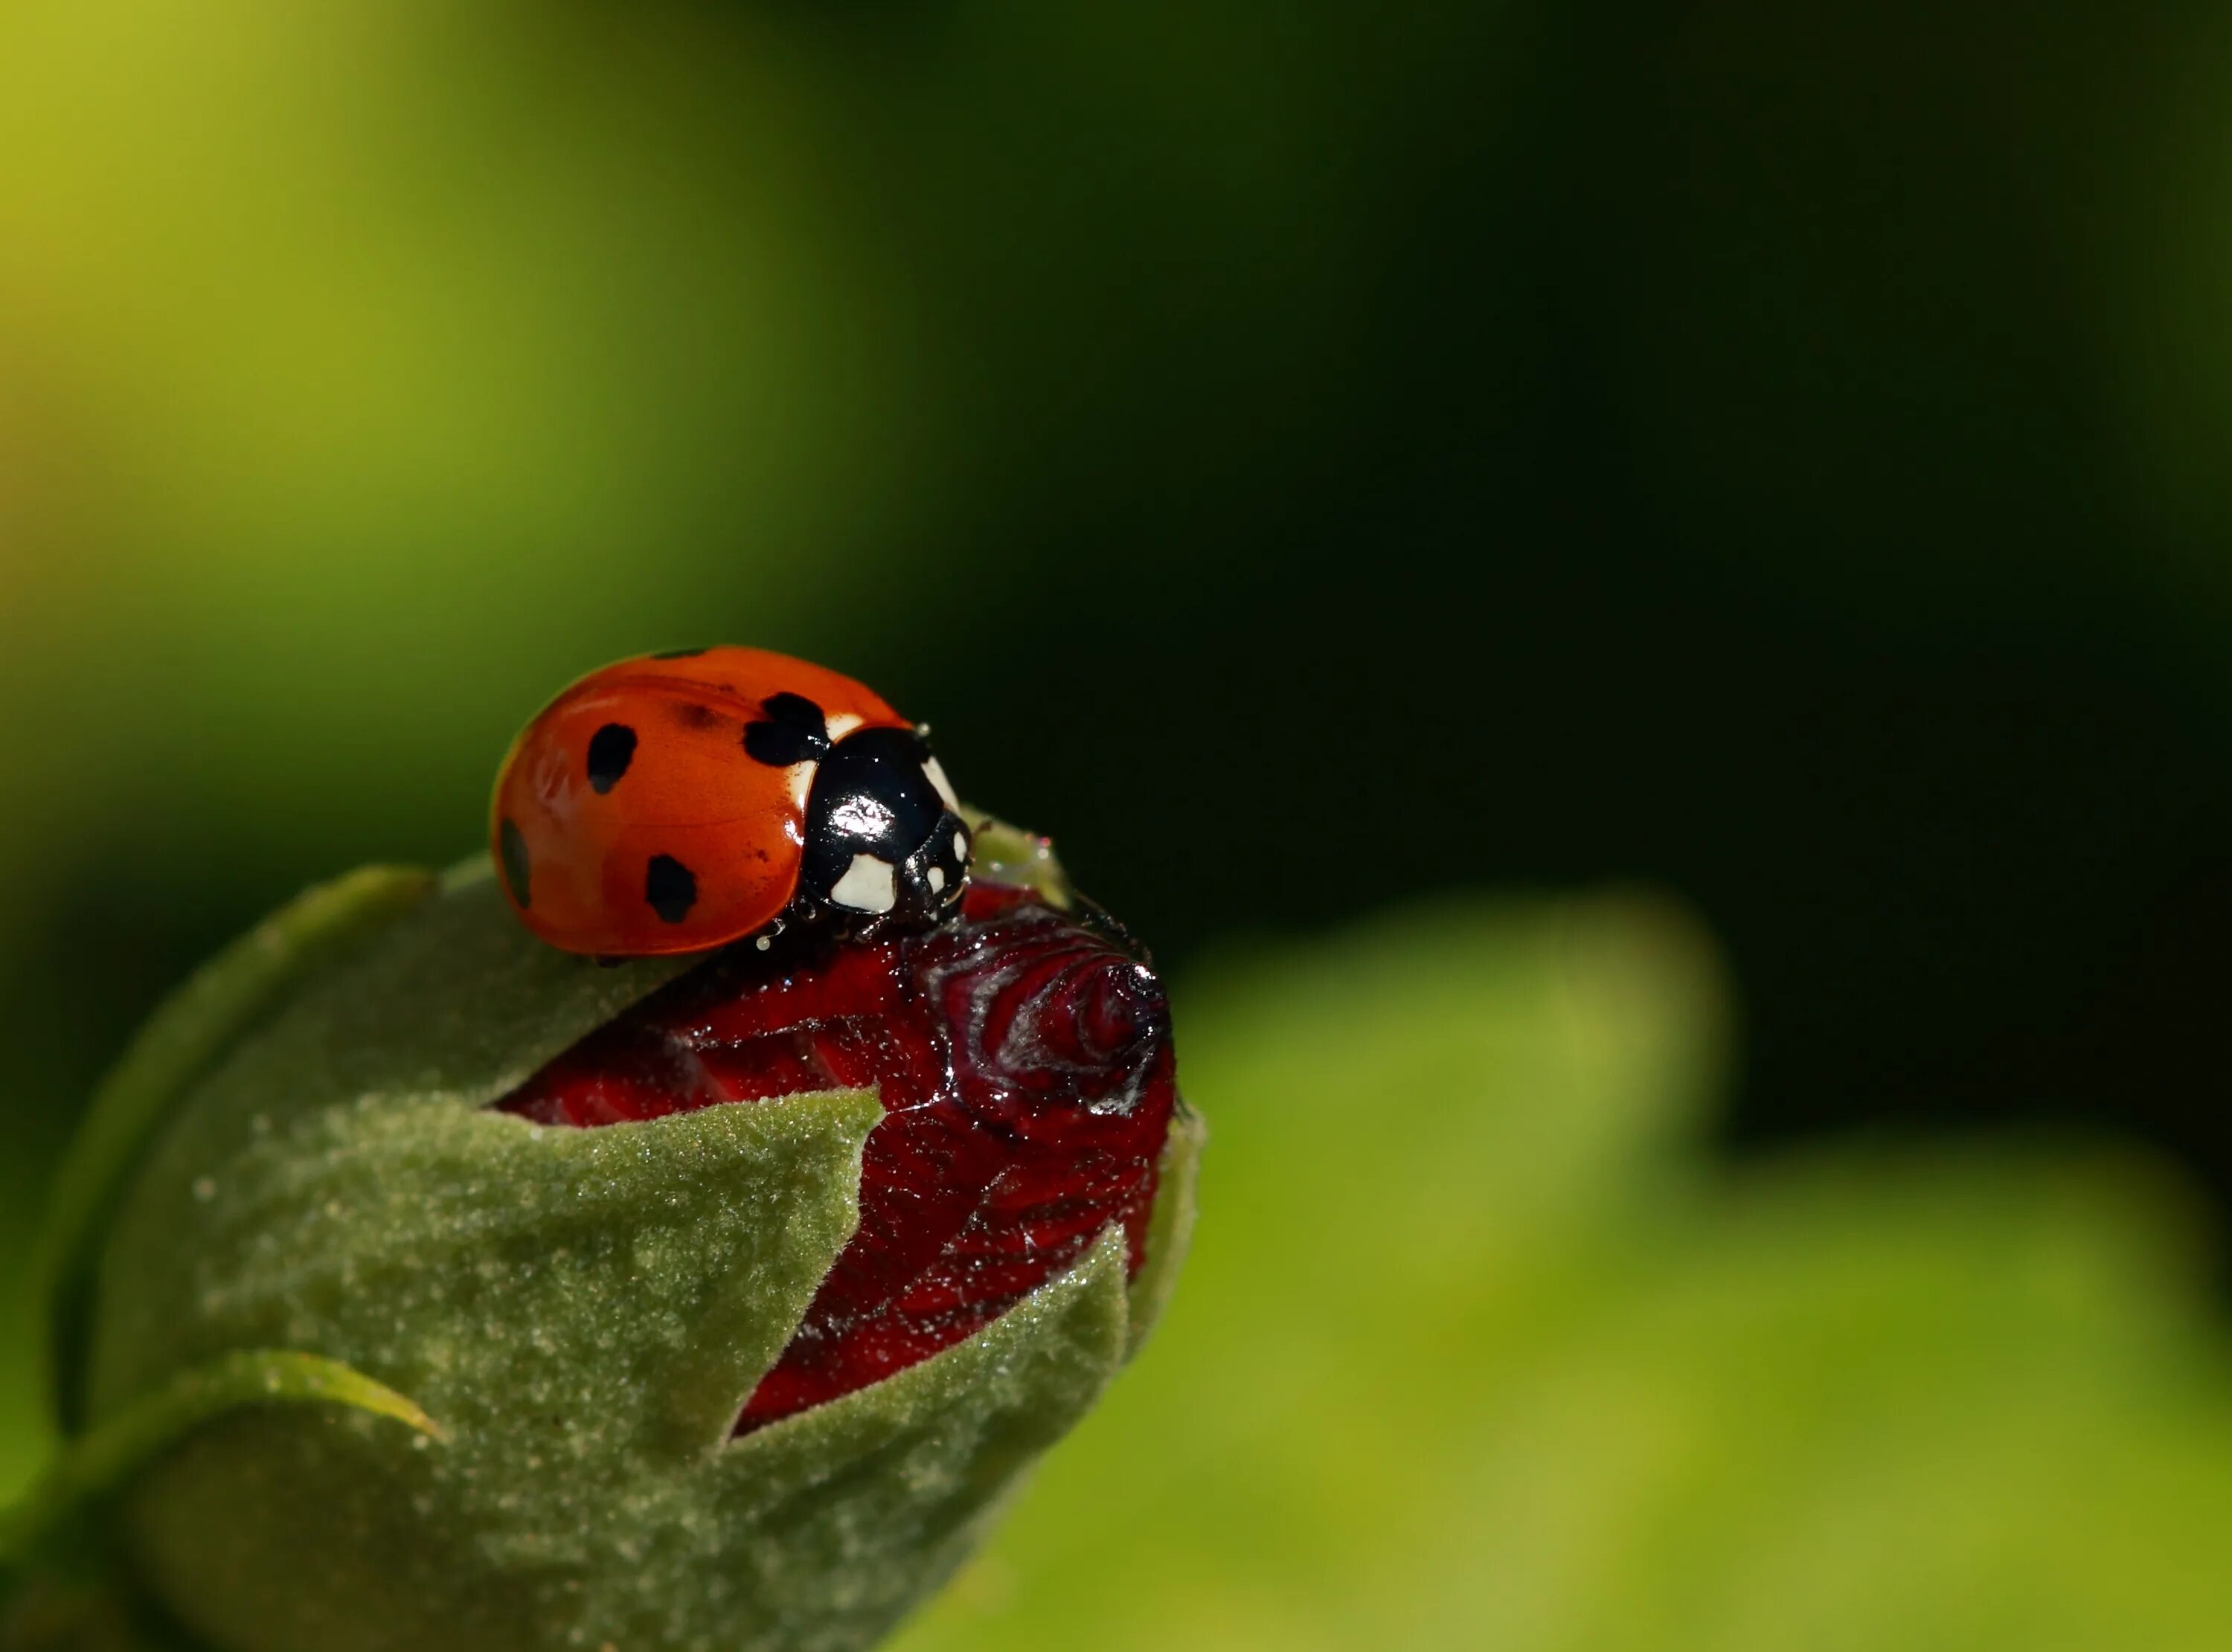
(1023, 1064)
(709, 1304)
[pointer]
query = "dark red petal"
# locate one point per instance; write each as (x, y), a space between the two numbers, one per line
(1023, 1059)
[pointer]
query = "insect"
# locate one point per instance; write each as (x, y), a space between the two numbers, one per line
(677, 802)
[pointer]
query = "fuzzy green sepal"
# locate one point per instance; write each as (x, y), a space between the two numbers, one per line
(59, 1590)
(99, 1463)
(585, 1310)
(221, 1002)
(1170, 1225)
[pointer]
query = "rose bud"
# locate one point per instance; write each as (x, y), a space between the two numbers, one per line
(416, 1283)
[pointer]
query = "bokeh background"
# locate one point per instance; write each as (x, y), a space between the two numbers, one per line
(1368, 480)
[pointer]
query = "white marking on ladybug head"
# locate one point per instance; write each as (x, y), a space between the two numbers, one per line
(937, 878)
(800, 776)
(868, 885)
(961, 845)
(841, 725)
(936, 775)
(763, 942)
(861, 816)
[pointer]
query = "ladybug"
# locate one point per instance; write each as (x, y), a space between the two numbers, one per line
(677, 802)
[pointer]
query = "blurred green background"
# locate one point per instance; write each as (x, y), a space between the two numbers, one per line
(1314, 463)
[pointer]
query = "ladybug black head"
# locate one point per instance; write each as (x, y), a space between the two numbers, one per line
(885, 848)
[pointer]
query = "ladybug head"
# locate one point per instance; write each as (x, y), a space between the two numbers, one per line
(886, 846)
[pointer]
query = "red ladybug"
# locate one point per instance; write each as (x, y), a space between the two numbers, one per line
(681, 801)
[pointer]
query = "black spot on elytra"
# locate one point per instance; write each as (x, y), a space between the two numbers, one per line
(671, 887)
(795, 732)
(514, 857)
(679, 653)
(612, 748)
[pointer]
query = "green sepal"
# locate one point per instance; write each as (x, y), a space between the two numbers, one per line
(850, 1513)
(646, 1273)
(820, 1531)
(585, 1310)
(98, 1464)
(220, 1003)
(1170, 1225)
(60, 1589)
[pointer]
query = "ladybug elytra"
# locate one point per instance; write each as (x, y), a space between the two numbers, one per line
(677, 802)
